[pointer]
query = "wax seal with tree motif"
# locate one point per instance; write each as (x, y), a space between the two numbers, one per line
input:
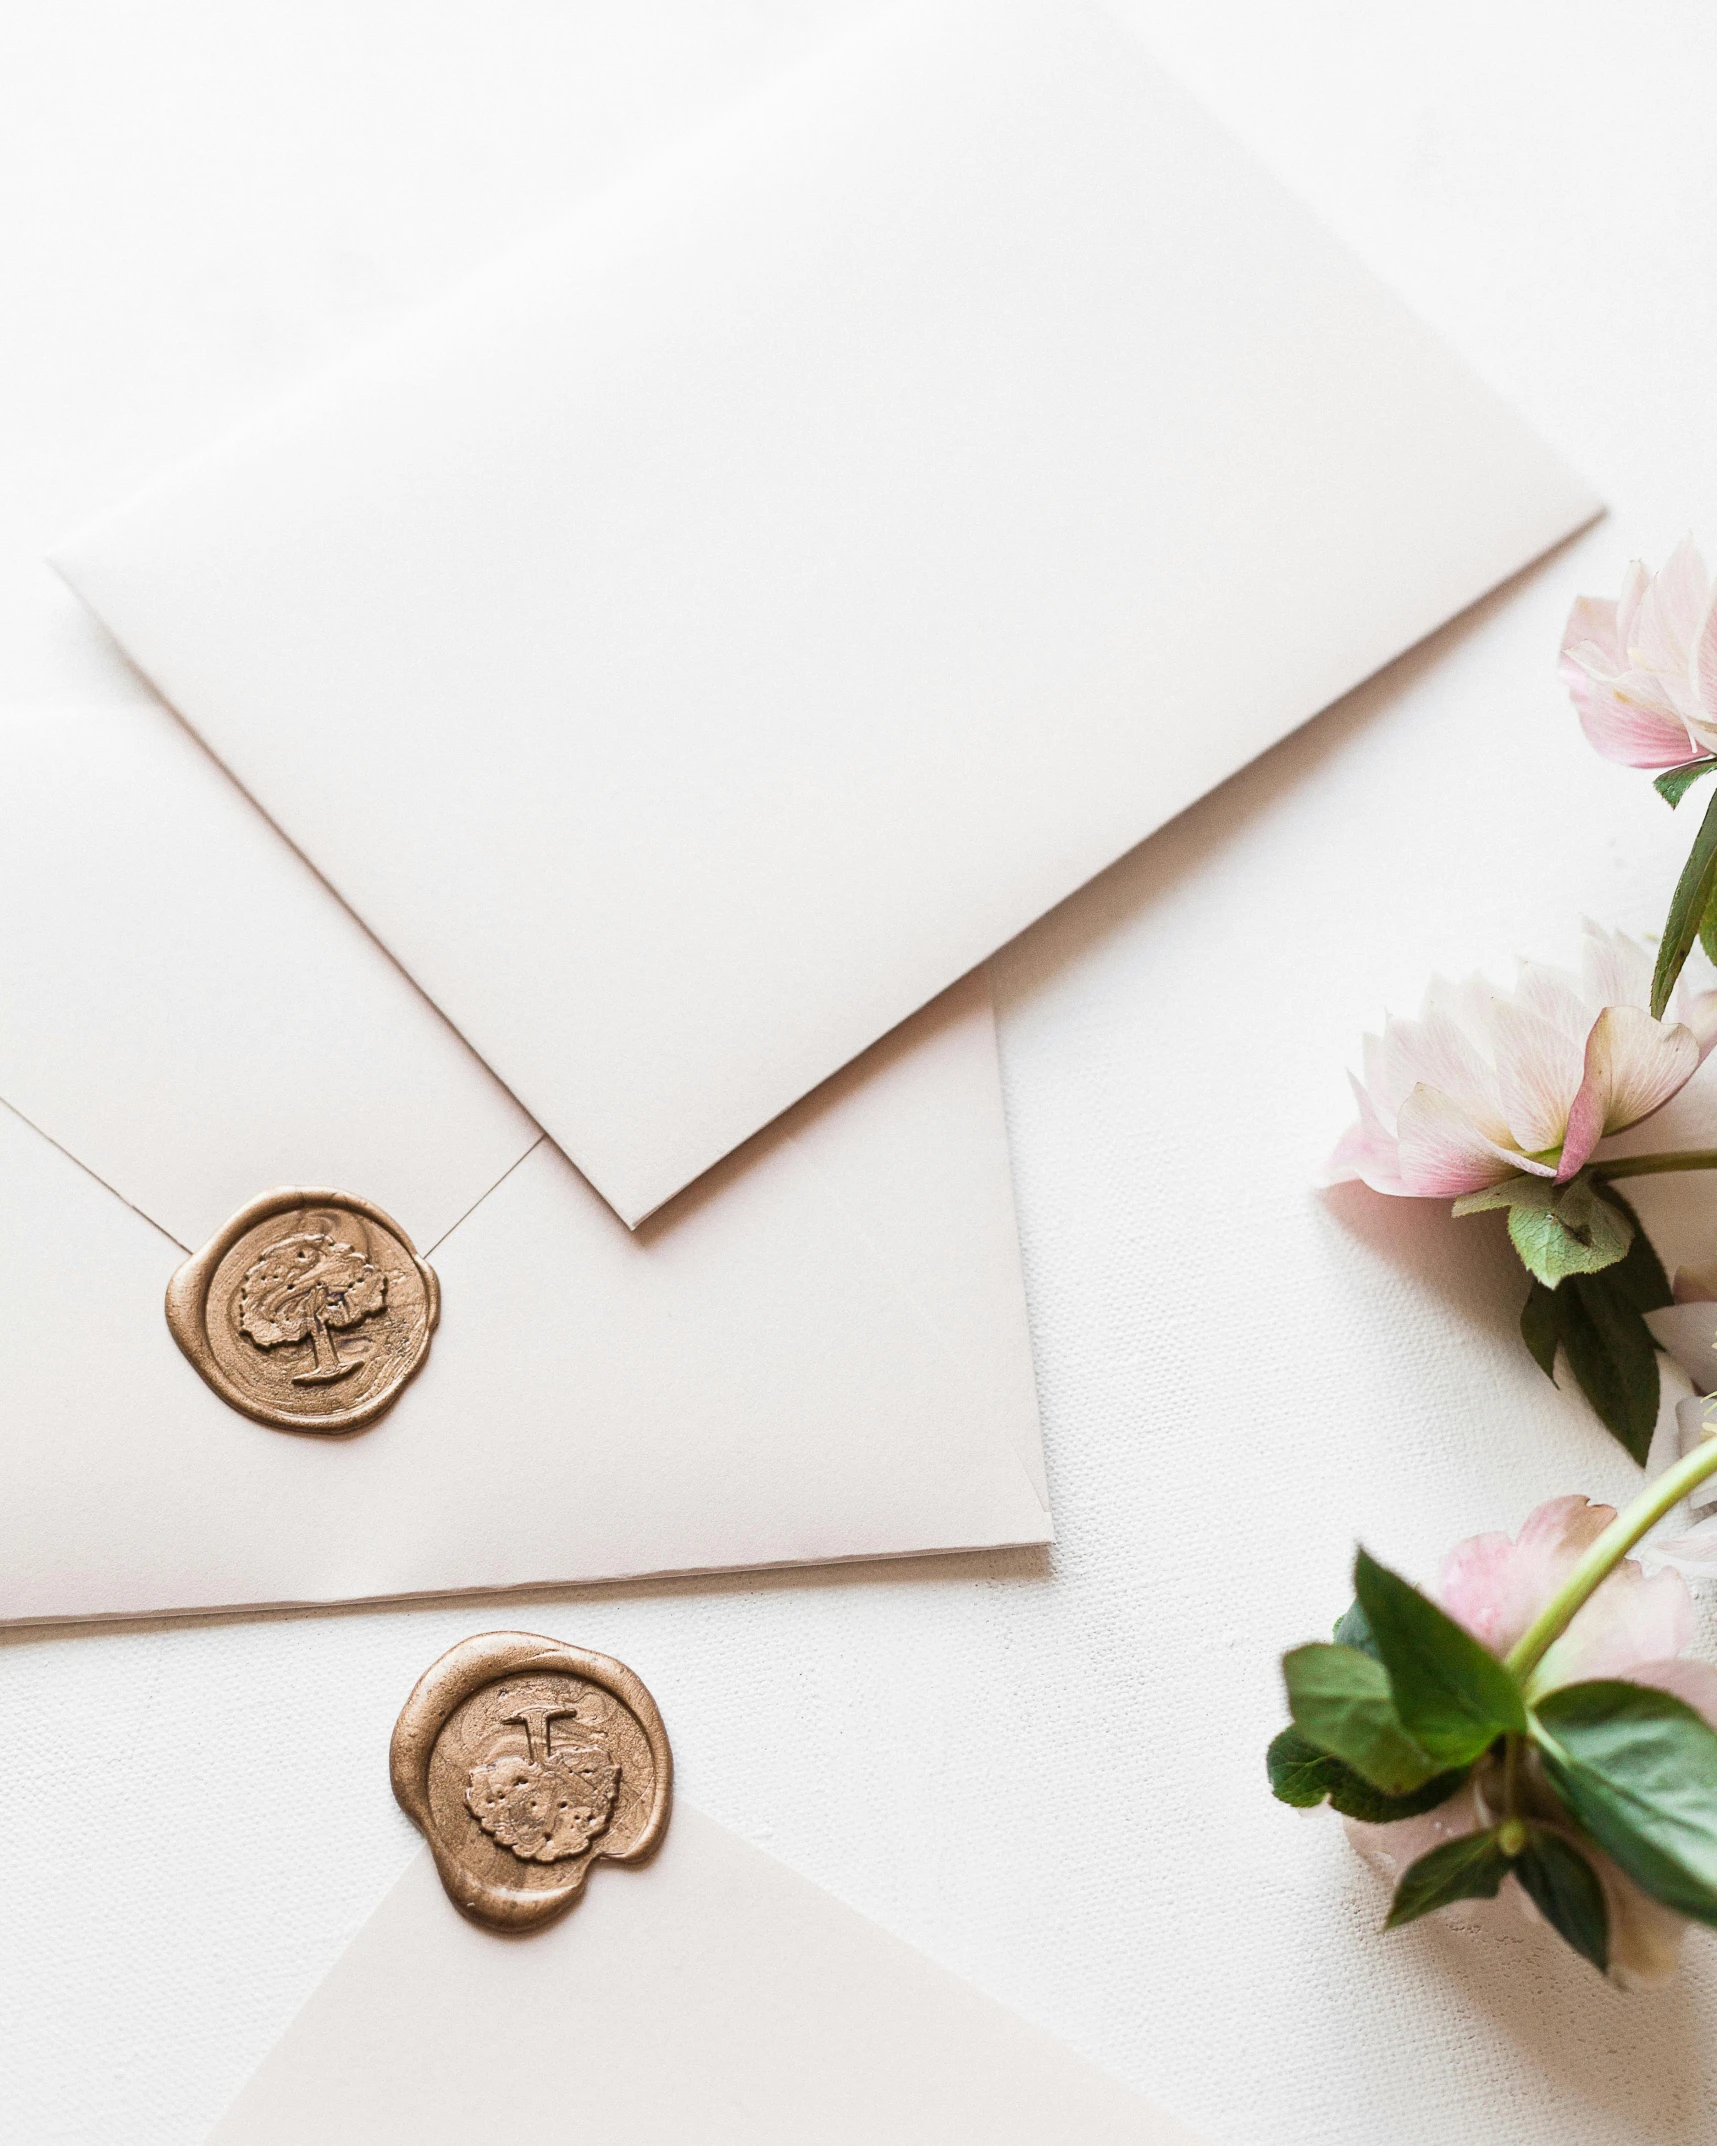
(309, 1311)
(524, 1763)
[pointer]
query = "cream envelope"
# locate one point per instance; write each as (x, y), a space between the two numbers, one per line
(819, 1353)
(712, 1996)
(717, 628)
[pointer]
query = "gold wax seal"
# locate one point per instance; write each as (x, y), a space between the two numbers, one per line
(308, 1311)
(523, 1763)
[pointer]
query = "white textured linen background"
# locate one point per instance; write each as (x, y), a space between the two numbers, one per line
(1045, 1771)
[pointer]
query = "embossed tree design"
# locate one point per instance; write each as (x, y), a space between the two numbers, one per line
(302, 1287)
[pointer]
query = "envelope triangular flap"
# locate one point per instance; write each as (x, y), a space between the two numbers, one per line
(702, 639)
(716, 1997)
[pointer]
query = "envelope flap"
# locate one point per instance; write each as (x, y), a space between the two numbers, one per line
(192, 1016)
(702, 640)
(713, 1996)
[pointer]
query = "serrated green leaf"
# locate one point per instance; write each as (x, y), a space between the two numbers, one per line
(1637, 1770)
(1541, 1326)
(1675, 782)
(1687, 907)
(1452, 1696)
(1468, 1868)
(1558, 1230)
(1300, 1773)
(1567, 1892)
(1521, 1191)
(1339, 1699)
(1568, 1229)
(1303, 1775)
(1353, 1629)
(1613, 1357)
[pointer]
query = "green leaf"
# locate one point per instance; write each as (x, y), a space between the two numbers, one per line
(1675, 782)
(1637, 1770)
(1614, 1358)
(1524, 1190)
(1541, 1326)
(1353, 1629)
(1300, 1773)
(1596, 1320)
(1339, 1698)
(1687, 907)
(1468, 1868)
(1571, 1231)
(1639, 1279)
(1453, 1697)
(1303, 1775)
(1708, 928)
(1566, 1891)
(1558, 1230)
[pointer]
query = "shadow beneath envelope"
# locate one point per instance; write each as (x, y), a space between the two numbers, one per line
(1195, 838)
(1031, 1564)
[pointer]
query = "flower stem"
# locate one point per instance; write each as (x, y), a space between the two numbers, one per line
(1656, 1165)
(1607, 1553)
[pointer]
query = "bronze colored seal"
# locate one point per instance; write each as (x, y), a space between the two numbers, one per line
(308, 1311)
(523, 1763)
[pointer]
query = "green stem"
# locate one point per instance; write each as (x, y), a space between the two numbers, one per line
(1607, 1553)
(1655, 1165)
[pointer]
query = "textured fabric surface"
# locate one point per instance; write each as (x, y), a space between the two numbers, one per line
(1046, 1770)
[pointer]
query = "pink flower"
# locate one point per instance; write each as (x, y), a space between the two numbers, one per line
(1643, 670)
(1487, 1085)
(1633, 1627)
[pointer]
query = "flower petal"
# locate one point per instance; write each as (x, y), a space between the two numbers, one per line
(1539, 1068)
(1438, 1052)
(1667, 623)
(1631, 1619)
(1634, 732)
(1693, 1554)
(1635, 582)
(1693, 1683)
(1633, 1066)
(1594, 626)
(1705, 661)
(1615, 970)
(1366, 1150)
(1495, 1586)
(1443, 1154)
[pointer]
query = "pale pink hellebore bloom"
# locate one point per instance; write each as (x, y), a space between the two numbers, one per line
(1488, 1085)
(1633, 1627)
(1643, 670)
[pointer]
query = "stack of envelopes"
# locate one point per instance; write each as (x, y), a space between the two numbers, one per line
(629, 704)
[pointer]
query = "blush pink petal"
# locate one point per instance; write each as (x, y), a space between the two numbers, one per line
(1633, 1066)
(1630, 1620)
(1539, 1067)
(1594, 627)
(1635, 582)
(1663, 629)
(1366, 1151)
(1436, 1052)
(1694, 1553)
(1625, 730)
(1495, 1585)
(1705, 660)
(1614, 969)
(1443, 1154)
(1693, 1683)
